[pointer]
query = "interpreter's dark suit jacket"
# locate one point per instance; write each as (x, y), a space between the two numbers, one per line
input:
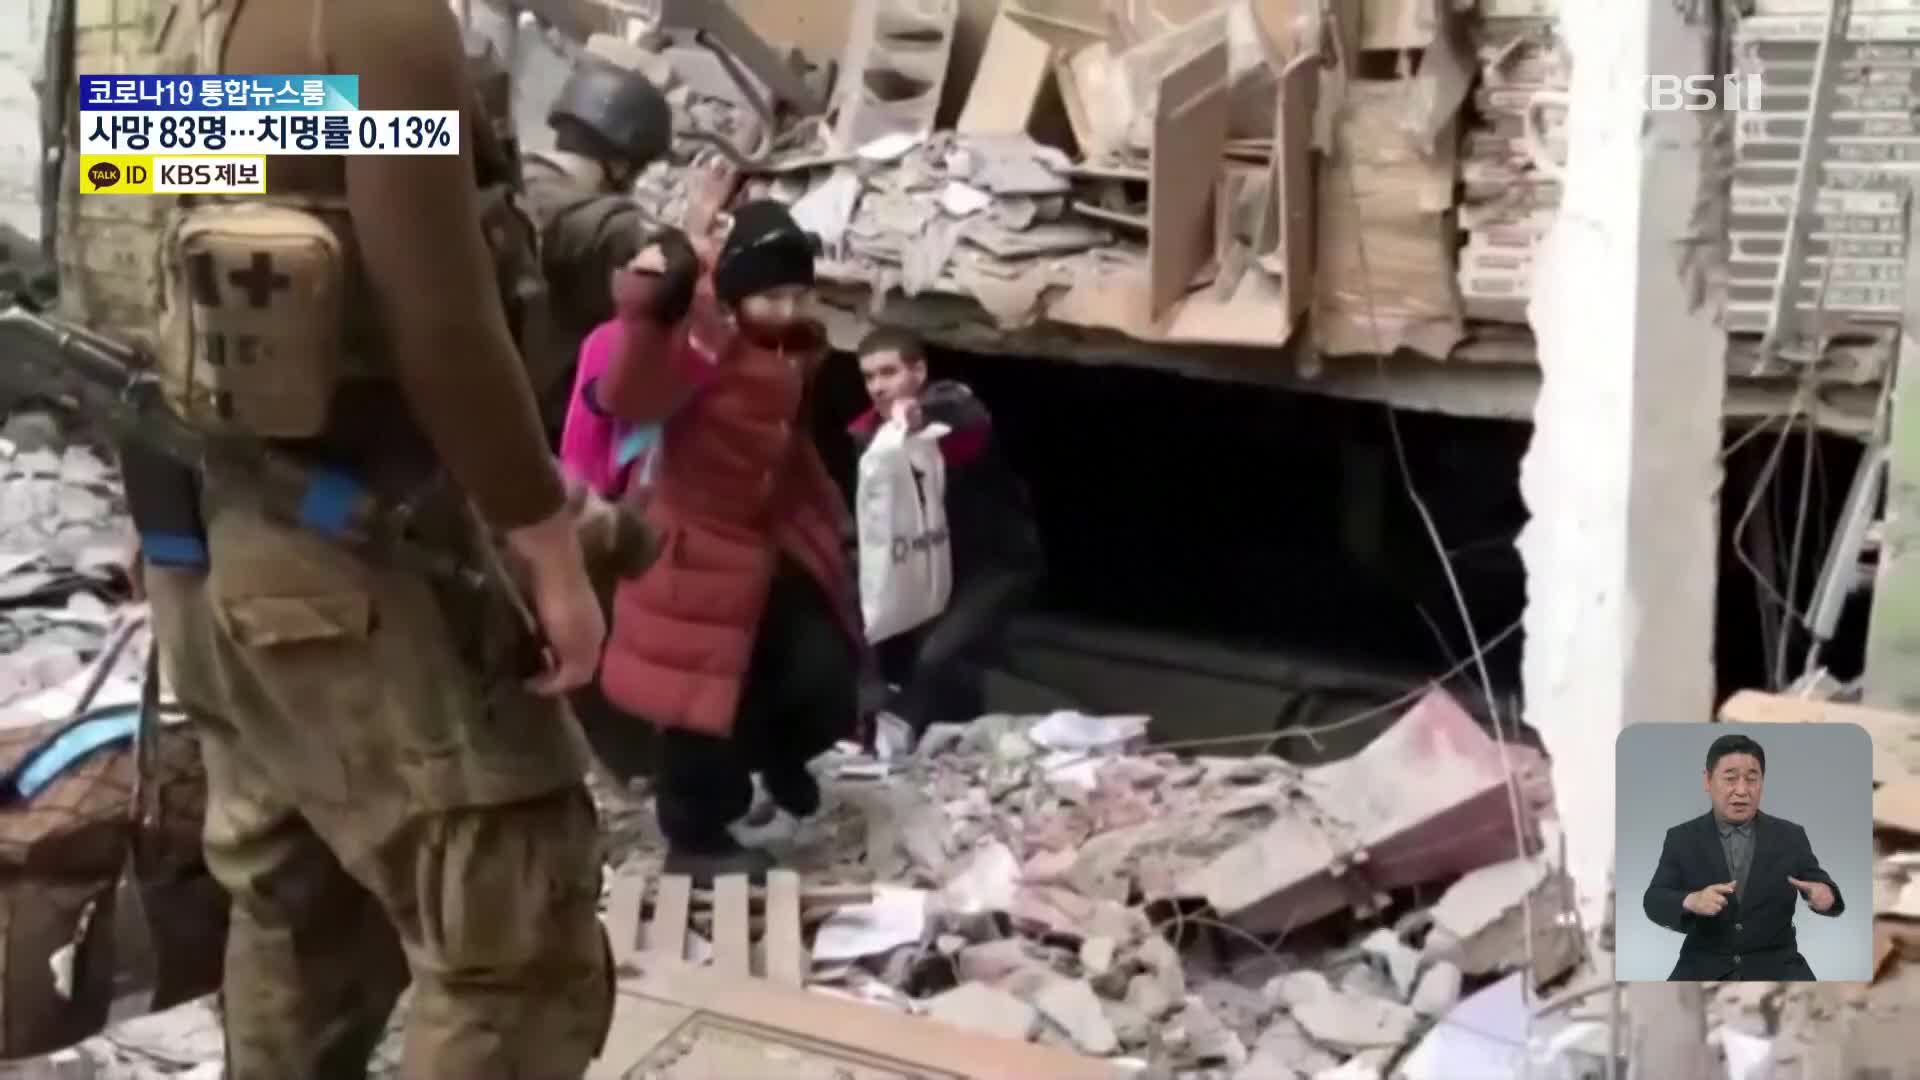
(1752, 939)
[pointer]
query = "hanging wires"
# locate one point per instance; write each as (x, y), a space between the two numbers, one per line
(1476, 651)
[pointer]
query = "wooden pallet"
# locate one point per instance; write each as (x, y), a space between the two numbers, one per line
(649, 920)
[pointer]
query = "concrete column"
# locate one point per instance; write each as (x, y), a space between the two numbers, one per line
(1893, 636)
(1623, 474)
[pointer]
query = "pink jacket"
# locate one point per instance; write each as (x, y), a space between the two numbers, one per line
(588, 440)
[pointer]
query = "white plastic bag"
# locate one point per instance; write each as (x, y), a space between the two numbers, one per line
(906, 560)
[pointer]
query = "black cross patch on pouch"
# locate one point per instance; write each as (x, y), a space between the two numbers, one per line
(259, 280)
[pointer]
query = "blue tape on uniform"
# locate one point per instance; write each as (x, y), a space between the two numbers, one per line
(329, 502)
(104, 729)
(174, 549)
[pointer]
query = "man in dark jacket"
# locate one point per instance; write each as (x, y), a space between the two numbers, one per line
(1730, 879)
(937, 671)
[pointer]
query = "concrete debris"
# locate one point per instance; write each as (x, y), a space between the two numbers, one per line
(1285, 1050)
(1400, 960)
(1150, 997)
(1097, 853)
(1426, 801)
(1347, 1022)
(1481, 922)
(981, 1008)
(1438, 990)
(1072, 1005)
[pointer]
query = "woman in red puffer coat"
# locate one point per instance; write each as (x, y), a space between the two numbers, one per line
(742, 643)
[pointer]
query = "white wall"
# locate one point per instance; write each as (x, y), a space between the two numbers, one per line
(22, 23)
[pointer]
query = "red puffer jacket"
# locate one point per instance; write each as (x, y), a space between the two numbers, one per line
(738, 482)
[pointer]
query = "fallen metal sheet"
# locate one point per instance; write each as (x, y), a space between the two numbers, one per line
(1426, 800)
(679, 1023)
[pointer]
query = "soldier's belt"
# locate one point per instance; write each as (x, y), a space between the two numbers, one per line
(111, 384)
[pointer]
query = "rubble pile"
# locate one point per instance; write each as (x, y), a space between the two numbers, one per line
(1050, 878)
(1185, 172)
(1509, 199)
(64, 546)
(980, 216)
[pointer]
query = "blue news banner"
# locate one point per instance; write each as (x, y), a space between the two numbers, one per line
(186, 115)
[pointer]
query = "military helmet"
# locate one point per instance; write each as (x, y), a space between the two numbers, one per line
(620, 108)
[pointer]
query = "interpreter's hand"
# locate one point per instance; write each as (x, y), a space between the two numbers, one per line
(562, 599)
(1819, 896)
(1710, 900)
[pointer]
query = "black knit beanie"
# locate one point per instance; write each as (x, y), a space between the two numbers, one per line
(764, 250)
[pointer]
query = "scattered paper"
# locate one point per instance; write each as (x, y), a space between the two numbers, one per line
(987, 882)
(1078, 731)
(961, 200)
(890, 147)
(1482, 1037)
(1071, 769)
(895, 916)
(826, 210)
(1749, 1057)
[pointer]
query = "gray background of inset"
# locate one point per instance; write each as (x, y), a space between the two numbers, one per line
(1819, 776)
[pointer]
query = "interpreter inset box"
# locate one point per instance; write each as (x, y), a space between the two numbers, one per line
(1743, 853)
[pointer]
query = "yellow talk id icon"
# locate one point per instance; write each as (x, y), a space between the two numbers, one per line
(116, 175)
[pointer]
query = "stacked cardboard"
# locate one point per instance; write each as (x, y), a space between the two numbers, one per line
(1509, 198)
(1871, 156)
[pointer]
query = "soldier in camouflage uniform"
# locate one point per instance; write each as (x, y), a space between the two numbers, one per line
(609, 124)
(387, 797)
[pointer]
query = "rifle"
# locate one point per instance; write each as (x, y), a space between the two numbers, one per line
(111, 384)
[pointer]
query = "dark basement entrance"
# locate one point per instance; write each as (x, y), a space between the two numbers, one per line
(1236, 561)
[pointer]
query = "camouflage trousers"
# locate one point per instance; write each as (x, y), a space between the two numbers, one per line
(381, 811)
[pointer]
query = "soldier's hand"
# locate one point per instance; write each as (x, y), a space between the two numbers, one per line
(709, 188)
(659, 282)
(562, 600)
(1710, 900)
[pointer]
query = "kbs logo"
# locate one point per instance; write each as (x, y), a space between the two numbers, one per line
(123, 175)
(1703, 93)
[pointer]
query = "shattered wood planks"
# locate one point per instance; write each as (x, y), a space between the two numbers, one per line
(1189, 129)
(689, 1024)
(734, 914)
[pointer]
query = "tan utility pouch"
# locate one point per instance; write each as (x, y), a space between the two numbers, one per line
(257, 306)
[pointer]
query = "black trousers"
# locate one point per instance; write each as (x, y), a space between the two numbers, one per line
(941, 665)
(800, 697)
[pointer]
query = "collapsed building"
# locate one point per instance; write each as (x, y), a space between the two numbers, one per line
(1190, 852)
